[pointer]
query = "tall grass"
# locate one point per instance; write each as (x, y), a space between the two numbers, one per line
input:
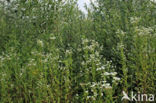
(50, 52)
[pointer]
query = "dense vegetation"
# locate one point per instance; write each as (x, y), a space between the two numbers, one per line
(51, 52)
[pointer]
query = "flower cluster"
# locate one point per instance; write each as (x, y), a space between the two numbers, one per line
(40, 43)
(143, 31)
(134, 20)
(93, 63)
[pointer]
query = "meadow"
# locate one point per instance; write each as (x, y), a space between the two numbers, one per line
(52, 52)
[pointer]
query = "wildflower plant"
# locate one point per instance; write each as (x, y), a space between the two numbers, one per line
(97, 74)
(52, 52)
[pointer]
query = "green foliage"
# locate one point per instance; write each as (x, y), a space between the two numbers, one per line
(51, 52)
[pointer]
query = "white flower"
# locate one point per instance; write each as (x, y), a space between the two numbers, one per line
(143, 31)
(106, 73)
(68, 52)
(103, 85)
(83, 63)
(85, 41)
(52, 38)
(94, 84)
(97, 53)
(23, 9)
(107, 84)
(108, 87)
(86, 92)
(113, 73)
(98, 64)
(21, 74)
(98, 69)
(79, 49)
(48, 86)
(40, 43)
(101, 68)
(120, 33)
(103, 81)
(120, 45)
(92, 56)
(134, 20)
(88, 97)
(116, 78)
